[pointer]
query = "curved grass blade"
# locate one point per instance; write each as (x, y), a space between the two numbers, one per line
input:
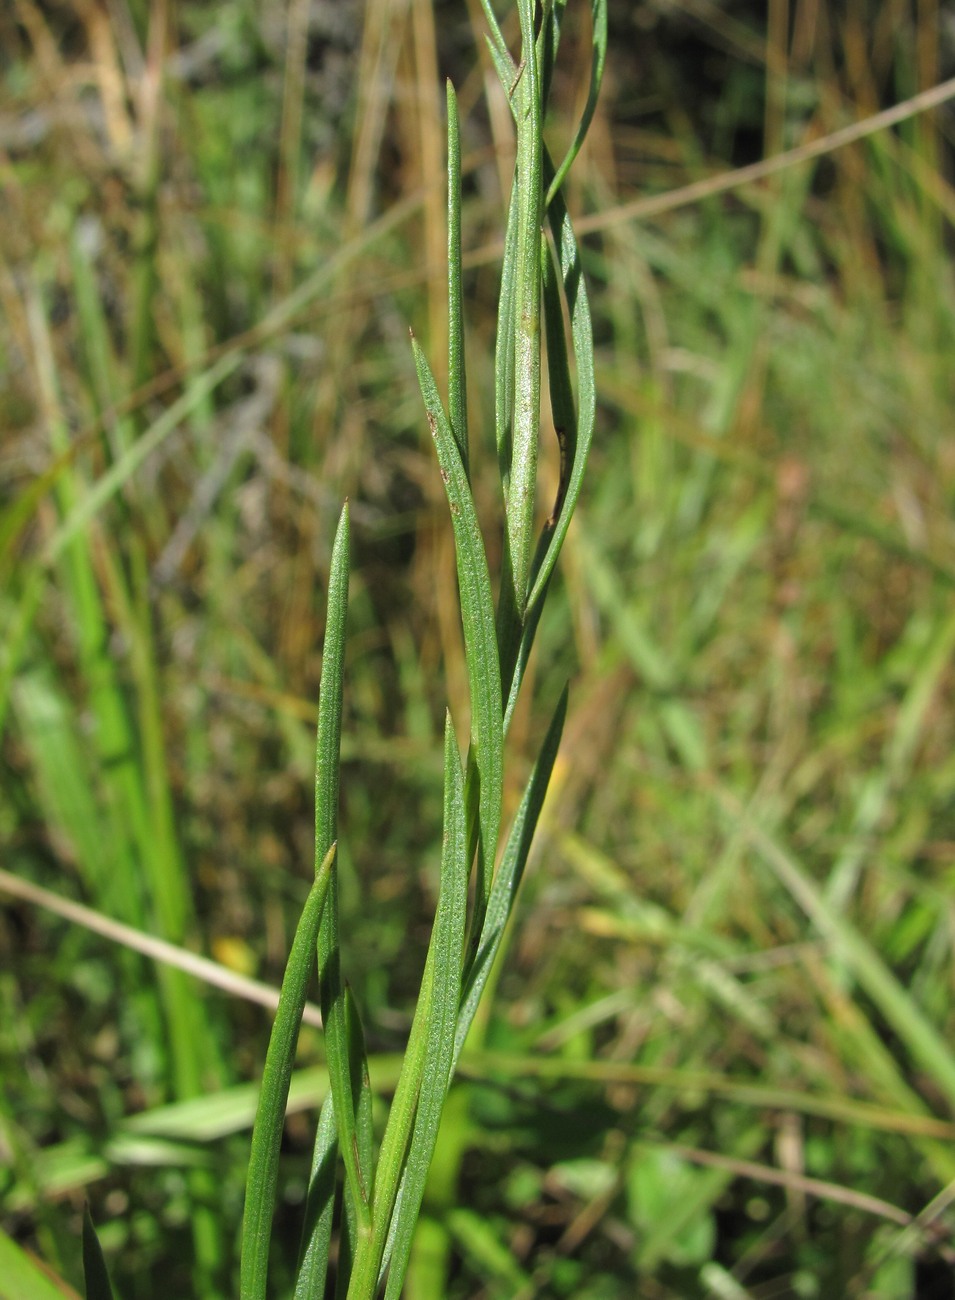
(327, 766)
(262, 1177)
(599, 41)
(319, 1209)
(480, 640)
(95, 1272)
(508, 877)
(440, 1011)
(579, 433)
(457, 371)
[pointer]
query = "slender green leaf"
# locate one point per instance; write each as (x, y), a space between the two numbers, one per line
(360, 1091)
(327, 766)
(441, 1011)
(496, 42)
(504, 347)
(319, 1209)
(548, 42)
(262, 1178)
(457, 370)
(354, 1231)
(22, 1278)
(522, 482)
(394, 1146)
(401, 1118)
(579, 434)
(508, 877)
(477, 613)
(515, 650)
(598, 10)
(95, 1272)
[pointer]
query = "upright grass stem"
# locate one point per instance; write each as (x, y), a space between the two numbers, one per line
(382, 1207)
(380, 1200)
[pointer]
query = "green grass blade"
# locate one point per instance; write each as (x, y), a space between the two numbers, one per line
(95, 1272)
(319, 1209)
(23, 1279)
(480, 638)
(122, 470)
(508, 877)
(599, 42)
(103, 377)
(457, 372)
(262, 1178)
(327, 767)
(922, 1040)
(441, 1010)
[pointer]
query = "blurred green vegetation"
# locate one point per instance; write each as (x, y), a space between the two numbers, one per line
(718, 1060)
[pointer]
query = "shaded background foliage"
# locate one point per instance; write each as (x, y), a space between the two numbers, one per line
(756, 609)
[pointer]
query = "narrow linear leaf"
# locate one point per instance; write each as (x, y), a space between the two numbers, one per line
(598, 9)
(262, 1178)
(360, 1090)
(509, 874)
(548, 42)
(504, 347)
(509, 617)
(391, 1158)
(25, 1279)
(95, 1272)
(319, 1209)
(579, 433)
(355, 1231)
(327, 767)
(331, 690)
(496, 40)
(522, 483)
(516, 648)
(440, 1012)
(457, 371)
(477, 613)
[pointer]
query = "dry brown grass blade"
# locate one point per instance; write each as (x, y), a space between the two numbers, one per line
(656, 204)
(201, 968)
(795, 1182)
